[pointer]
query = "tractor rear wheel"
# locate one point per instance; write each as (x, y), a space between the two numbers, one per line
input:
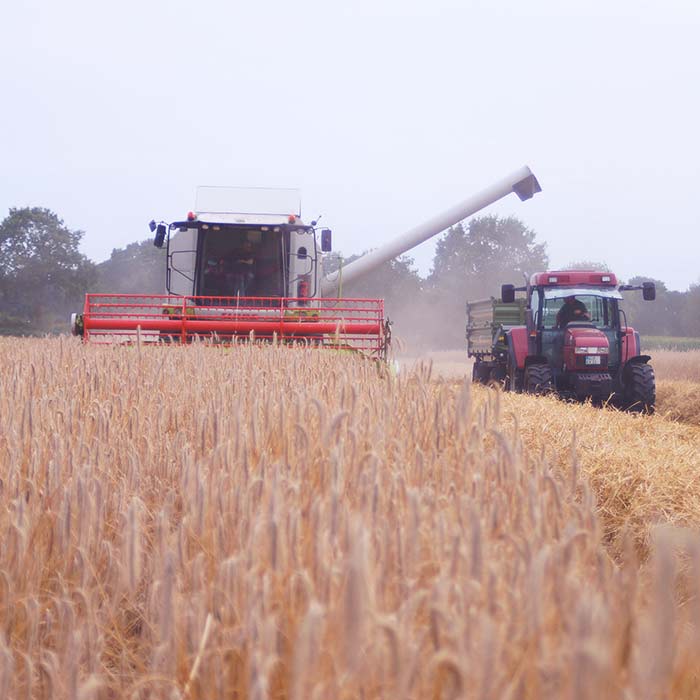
(640, 388)
(539, 379)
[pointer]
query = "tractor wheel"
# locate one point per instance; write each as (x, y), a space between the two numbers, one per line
(539, 380)
(640, 389)
(513, 379)
(480, 373)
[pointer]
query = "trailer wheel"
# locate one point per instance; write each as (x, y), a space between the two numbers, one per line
(480, 373)
(498, 376)
(539, 379)
(640, 388)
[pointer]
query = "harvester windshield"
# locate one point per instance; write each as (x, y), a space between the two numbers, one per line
(242, 261)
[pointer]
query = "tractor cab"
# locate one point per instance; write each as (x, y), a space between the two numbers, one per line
(576, 339)
(576, 326)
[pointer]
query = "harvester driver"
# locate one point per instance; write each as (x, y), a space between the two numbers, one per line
(243, 269)
(572, 310)
(215, 276)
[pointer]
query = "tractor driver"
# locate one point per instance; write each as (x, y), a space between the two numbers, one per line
(572, 310)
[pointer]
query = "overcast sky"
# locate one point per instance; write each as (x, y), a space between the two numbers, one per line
(384, 112)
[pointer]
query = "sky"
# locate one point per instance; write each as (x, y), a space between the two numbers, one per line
(383, 112)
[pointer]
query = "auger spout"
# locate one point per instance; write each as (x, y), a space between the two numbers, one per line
(522, 182)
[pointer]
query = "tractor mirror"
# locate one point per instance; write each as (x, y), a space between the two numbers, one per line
(648, 291)
(507, 293)
(161, 230)
(326, 240)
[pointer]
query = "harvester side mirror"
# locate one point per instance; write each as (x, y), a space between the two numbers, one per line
(161, 231)
(507, 293)
(152, 225)
(648, 291)
(326, 240)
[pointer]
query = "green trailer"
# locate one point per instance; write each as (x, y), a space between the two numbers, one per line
(487, 323)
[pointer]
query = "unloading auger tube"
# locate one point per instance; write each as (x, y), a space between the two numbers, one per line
(522, 182)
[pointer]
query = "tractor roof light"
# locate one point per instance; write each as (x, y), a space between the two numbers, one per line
(552, 280)
(605, 278)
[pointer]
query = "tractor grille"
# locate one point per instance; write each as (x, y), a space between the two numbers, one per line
(581, 363)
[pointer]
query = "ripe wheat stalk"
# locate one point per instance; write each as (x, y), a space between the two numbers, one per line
(263, 522)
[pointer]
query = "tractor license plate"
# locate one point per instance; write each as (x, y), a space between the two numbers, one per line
(592, 359)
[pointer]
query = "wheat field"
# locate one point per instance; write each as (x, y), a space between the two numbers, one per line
(266, 522)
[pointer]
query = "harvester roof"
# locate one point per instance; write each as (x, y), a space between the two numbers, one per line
(573, 278)
(253, 206)
(235, 219)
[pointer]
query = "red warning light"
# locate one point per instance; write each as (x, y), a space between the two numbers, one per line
(191, 216)
(292, 219)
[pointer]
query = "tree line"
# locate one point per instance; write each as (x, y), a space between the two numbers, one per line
(44, 276)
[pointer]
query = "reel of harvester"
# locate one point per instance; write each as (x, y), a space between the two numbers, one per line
(347, 324)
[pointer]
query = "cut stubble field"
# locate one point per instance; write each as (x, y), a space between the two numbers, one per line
(196, 522)
(677, 378)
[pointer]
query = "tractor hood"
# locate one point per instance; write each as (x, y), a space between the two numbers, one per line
(586, 339)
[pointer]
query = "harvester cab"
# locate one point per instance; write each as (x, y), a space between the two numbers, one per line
(242, 242)
(243, 264)
(571, 338)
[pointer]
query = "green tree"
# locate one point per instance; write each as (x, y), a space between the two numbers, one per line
(137, 268)
(692, 311)
(489, 252)
(401, 287)
(391, 281)
(666, 315)
(472, 264)
(42, 273)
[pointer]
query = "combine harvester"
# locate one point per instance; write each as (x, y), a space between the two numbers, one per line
(567, 335)
(241, 266)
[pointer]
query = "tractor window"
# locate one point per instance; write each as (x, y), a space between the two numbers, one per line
(581, 308)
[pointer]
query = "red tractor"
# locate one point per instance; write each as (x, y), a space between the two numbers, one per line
(568, 335)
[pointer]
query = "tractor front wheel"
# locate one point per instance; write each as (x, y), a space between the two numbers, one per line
(640, 388)
(539, 379)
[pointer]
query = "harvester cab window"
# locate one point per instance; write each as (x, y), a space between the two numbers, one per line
(241, 262)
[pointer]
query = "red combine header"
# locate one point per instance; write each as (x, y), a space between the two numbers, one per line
(358, 324)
